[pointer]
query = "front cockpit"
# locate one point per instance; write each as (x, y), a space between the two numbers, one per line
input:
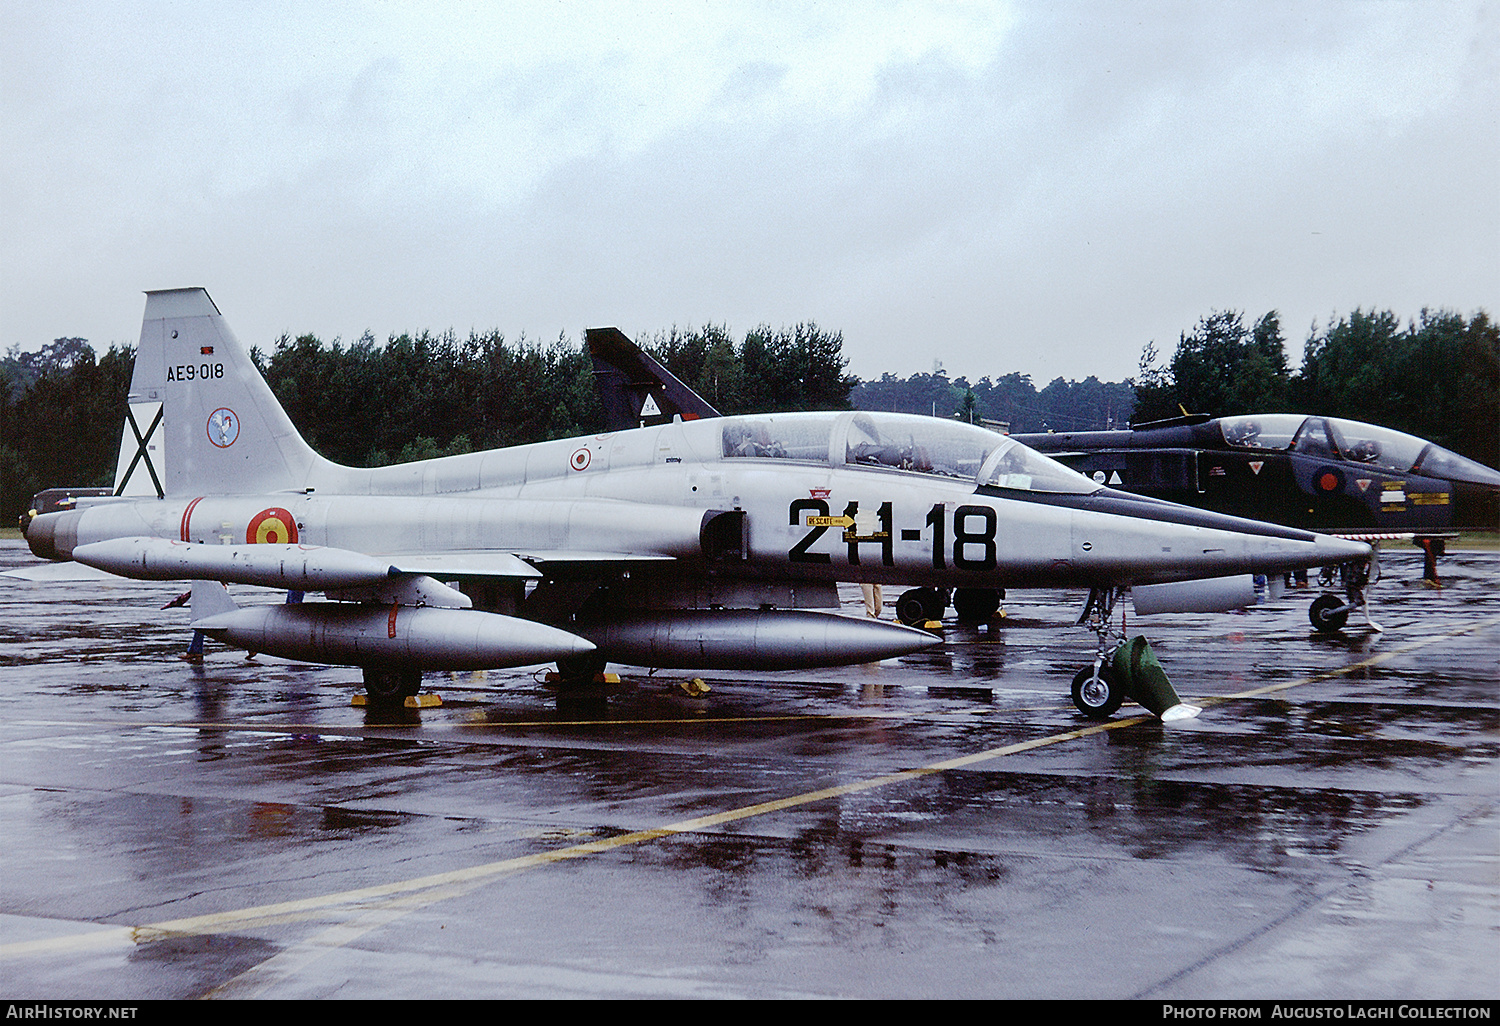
(1352, 441)
(901, 442)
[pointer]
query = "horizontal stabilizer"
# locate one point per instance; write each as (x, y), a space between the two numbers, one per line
(59, 573)
(210, 598)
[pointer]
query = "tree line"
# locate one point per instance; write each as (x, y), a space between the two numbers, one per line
(424, 395)
(1437, 376)
(1010, 402)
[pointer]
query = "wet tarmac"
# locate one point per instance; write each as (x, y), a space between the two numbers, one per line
(943, 825)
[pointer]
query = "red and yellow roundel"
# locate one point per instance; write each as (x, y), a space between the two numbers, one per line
(272, 526)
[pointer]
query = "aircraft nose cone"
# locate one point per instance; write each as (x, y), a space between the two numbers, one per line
(1340, 550)
(581, 646)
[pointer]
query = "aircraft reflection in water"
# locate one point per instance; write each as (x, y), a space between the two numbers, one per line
(1339, 476)
(709, 543)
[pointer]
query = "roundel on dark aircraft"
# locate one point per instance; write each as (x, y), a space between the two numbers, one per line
(271, 527)
(1329, 480)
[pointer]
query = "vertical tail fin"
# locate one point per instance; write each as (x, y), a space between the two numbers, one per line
(202, 421)
(635, 390)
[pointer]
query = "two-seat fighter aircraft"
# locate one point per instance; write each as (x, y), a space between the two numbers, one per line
(706, 544)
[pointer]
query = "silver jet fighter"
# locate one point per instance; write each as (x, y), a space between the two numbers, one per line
(709, 543)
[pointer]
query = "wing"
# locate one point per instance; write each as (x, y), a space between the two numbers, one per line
(323, 568)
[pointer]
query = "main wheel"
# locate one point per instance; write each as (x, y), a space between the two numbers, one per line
(384, 684)
(581, 669)
(975, 603)
(1328, 614)
(1097, 695)
(917, 606)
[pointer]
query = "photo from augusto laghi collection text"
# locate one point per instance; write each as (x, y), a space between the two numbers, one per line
(1326, 1010)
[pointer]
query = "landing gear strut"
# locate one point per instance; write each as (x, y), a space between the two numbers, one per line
(1095, 690)
(1329, 612)
(1127, 669)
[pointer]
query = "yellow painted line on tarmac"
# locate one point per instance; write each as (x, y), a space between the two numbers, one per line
(373, 905)
(455, 882)
(1344, 671)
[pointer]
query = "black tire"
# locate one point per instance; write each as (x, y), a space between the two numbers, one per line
(917, 606)
(385, 684)
(910, 609)
(1328, 614)
(581, 669)
(1097, 698)
(976, 604)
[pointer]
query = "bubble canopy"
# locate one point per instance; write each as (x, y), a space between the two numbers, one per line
(901, 442)
(1355, 442)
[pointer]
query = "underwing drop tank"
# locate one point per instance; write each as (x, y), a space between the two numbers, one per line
(422, 638)
(748, 639)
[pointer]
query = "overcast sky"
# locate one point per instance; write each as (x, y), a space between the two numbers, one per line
(1034, 187)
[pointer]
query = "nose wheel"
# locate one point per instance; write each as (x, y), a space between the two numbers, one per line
(1096, 692)
(1329, 613)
